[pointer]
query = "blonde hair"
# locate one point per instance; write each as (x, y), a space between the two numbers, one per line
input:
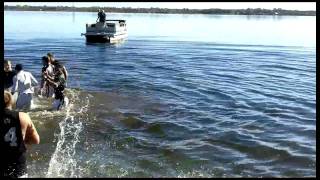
(7, 61)
(50, 55)
(8, 99)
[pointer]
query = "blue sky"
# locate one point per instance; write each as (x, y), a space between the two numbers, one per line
(180, 5)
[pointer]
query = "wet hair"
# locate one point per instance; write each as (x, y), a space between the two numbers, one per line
(57, 67)
(45, 60)
(18, 67)
(57, 64)
(50, 55)
(8, 100)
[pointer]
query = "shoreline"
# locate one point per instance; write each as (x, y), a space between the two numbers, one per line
(248, 12)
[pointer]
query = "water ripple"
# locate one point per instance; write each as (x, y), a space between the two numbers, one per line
(186, 108)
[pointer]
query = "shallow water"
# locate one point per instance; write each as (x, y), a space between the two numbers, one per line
(171, 106)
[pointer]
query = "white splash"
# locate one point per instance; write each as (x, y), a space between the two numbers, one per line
(63, 162)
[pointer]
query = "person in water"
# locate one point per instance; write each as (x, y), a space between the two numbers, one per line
(53, 62)
(17, 130)
(23, 83)
(45, 89)
(8, 75)
(58, 82)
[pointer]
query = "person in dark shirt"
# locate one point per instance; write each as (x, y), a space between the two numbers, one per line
(8, 75)
(101, 16)
(16, 130)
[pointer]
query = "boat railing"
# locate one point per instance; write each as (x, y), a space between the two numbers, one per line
(120, 20)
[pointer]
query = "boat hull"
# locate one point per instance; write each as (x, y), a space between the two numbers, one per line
(104, 39)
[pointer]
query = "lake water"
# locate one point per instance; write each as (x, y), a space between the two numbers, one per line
(182, 96)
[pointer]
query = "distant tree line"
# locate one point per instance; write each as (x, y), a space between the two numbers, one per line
(249, 11)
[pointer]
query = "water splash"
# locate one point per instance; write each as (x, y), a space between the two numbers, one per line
(63, 162)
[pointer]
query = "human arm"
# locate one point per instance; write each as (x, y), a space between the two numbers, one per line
(50, 80)
(15, 85)
(33, 79)
(29, 132)
(65, 72)
(46, 76)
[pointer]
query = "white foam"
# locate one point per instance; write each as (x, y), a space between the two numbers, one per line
(63, 162)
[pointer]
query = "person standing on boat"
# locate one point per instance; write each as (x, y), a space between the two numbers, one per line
(23, 83)
(17, 130)
(101, 15)
(8, 75)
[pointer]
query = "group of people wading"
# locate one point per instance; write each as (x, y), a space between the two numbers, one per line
(17, 128)
(22, 84)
